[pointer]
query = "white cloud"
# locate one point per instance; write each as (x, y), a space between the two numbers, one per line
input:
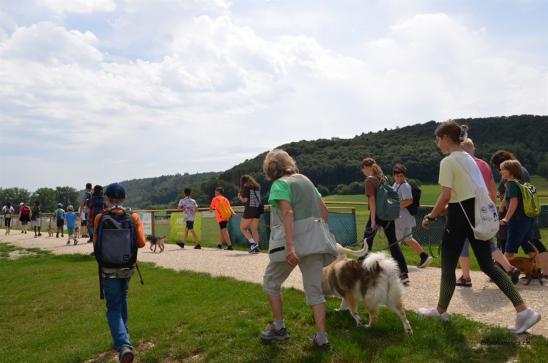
(175, 86)
(78, 6)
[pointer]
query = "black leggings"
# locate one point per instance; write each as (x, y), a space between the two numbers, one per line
(456, 231)
(390, 231)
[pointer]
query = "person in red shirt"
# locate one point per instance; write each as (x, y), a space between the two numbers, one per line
(223, 212)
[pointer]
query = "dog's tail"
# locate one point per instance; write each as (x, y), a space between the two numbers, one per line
(344, 251)
(536, 250)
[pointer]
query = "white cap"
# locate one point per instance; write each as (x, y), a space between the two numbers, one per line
(21, 203)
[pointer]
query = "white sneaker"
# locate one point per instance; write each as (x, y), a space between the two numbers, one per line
(524, 320)
(433, 313)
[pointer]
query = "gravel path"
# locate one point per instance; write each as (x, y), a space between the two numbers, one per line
(483, 302)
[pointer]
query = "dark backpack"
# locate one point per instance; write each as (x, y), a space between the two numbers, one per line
(387, 202)
(96, 205)
(416, 192)
(116, 244)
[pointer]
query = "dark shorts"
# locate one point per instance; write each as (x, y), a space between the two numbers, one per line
(7, 222)
(24, 219)
(189, 224)
(251, 213)
(222, 224)
(84, 223)
(519, 233)
(60, 222)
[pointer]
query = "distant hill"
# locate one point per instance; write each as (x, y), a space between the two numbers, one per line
(333, 164)
(164, 191)
(330, 163)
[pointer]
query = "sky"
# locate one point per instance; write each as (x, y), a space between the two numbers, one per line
(111, 90)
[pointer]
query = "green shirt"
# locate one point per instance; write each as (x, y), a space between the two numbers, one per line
(280, 191)
(513, 191)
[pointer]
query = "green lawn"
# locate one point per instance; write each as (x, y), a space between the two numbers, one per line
(51, 313)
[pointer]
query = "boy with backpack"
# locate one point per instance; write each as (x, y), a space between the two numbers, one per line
(189, 207)
(117, 235)
(60, 219)
(406, 222)
(223, 212)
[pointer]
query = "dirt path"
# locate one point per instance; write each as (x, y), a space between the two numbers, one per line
(483, 302)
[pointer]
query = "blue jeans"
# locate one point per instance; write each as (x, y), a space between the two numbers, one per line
(115, 291)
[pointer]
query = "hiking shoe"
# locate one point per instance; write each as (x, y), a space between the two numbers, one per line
(524, 320)
(425, 261)
(219, 246)
(68, 242)
(433, 313)
(75, 242)
(514, 275)
(464, 282)
(39, 234)
(229, 248)
(126, 355)
(198, 247)
(325, 347)
(404, 278)
(180, 244)
(271, 333)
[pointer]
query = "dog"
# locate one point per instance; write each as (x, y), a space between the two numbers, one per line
(156, 241)
(50, 229)
(373, 279)
(528, 266)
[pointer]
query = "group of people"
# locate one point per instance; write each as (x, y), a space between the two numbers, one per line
(249, 194)
(26, 215)
(294, 198)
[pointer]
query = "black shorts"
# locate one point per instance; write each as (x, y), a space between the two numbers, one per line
(222, 224)
(251, 213)
(7, 222)
(24, 219)
(84, 223)
(189, 224)
(60, 222)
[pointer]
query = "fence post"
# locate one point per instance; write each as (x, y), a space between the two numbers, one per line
(152, 224)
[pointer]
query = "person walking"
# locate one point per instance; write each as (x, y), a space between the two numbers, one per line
(294, 200)
(374, 179)
(464, 260)
(459, 178)
(223, 212)
(24, 217)
(250, 195)
(35, 219)
(7, 212)
(189, 207)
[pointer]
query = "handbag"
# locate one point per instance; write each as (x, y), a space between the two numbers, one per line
(310, 236)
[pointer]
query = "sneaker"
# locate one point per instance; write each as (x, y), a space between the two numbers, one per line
(75, 242)
(325, 347)
(198, 247)
(254, 248)
(180, 244)
(39, 234)
(464, 282)
(524, 320)
(126, 355)
(271, 333)
(425, 262)
(433, 313)
(229, 248)
(514, 275)
(219, 246)
(404, 278)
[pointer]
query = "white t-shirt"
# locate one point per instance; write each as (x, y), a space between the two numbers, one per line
(189, 206)
(460, 172)
(404, 192)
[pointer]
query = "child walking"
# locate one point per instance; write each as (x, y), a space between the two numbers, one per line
(60, 219)
(223, 212)
(189, 206)
(70, 217)
(250, 195)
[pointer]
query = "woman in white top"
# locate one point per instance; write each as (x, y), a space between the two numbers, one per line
(459, 176)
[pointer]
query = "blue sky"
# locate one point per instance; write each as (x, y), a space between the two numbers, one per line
(109, 90)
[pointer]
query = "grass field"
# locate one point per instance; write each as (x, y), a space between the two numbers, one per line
(51, 313)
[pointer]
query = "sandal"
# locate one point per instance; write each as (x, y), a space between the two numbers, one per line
(464, 282)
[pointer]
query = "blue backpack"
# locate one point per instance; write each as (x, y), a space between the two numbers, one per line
(387, 201)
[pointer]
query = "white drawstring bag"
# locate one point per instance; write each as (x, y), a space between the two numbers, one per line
(486, 221)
